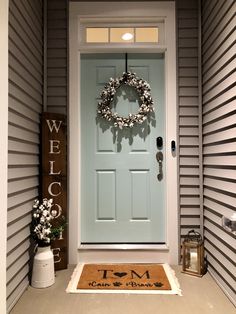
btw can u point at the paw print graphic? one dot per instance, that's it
(158, 284)
(117, 284)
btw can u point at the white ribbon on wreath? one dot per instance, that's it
(143, 90)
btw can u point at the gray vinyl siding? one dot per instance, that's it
(219, 138)
(189, 120)
(25, 107)
(57, 47)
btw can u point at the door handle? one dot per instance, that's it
(159, 158)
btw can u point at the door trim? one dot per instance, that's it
(165, 10)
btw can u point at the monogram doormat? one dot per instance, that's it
(124, 278)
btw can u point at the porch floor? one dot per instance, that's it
(200, 296)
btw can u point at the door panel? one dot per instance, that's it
(122, 199)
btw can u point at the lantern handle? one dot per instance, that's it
(192, 233)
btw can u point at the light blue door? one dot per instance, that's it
(122, 199)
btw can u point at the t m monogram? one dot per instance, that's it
(133, 273)
(109, 273)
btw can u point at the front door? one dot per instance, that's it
(122, 183)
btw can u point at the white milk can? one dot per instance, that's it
(43, 274)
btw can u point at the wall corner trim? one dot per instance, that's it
(4, 7)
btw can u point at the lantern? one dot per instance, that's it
(193, 254)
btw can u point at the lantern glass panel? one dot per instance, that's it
(191, 259)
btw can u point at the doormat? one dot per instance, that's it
(124, 278)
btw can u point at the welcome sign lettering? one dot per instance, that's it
(54, 176)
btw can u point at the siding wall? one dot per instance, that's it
(25, 106)
(57, 56)
(189, 119)
(219, 137)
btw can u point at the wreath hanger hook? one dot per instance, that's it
(126, 62)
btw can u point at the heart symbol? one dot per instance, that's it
(120, 274)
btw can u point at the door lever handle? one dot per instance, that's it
(159, 158)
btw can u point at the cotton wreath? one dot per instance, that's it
(143, 89)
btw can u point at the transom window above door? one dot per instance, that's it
(128, 33)
(122, 35)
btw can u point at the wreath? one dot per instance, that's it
(109, 91)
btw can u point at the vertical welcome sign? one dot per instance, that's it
(54, 176)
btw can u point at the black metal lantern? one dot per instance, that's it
(193, 254)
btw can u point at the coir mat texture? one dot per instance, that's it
(124, 278)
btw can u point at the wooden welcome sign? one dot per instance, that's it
(54, 176)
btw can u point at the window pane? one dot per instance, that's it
(146, 34)
(121, 35)
(97, 35)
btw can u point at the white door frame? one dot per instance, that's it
(100, 10)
